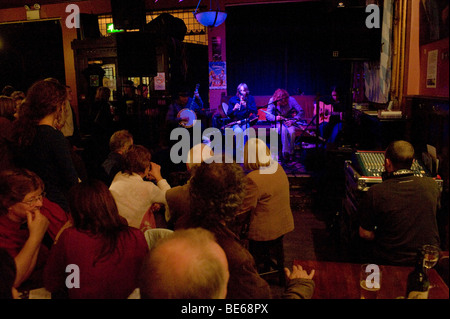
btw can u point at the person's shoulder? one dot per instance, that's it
(428, 182)
(50, 135)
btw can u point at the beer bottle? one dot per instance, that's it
(418, 283)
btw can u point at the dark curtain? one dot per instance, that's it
(288, 45)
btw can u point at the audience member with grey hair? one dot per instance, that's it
(217, 191)
(187, 264)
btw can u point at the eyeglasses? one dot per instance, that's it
(32, 201)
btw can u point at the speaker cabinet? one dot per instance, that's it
(351, 38)
(89, 28)
(128, 15)
(136, 54)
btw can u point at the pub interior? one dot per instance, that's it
(386, 60)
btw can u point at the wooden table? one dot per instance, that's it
(335, 280)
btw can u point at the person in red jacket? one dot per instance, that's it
(100, 256)
(29, 223)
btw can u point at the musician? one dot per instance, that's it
(183, 99)
(243, 108)
(287, 111)
(330, 129)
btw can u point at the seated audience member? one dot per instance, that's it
(267, 198)
(7, 108)
(18, 97)
(217, 191)
(8, 90)
(7, 276)
(28, 224)
(299, 284)
(178, 198)
(212, 209)
(108, 253)
(119, 143)
(40, 147)
(187, 264)
(134, 190)
(399, 214)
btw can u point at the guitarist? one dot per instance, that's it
(331, 128)
(242, 107)
(286, 110)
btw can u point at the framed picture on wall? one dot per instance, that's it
(434, 18)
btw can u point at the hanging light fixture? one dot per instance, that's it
(211, 18)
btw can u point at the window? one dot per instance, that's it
(196, 33)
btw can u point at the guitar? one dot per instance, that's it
(188, 113)
(325, 112)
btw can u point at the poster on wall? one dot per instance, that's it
(160, 81)
(217, 76)
(432, 68)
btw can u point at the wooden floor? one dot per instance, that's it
(312, 237)
(317, 186)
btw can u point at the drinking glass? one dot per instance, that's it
(431, 257)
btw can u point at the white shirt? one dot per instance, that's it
(134, 196)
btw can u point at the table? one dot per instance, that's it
(336, 280)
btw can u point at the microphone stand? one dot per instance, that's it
(317, 120)
(280, 147)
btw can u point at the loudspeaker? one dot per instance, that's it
(351, 38)
(89, 28)
(136, 54)
(128, 14)
(166, 25)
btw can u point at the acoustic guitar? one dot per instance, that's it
(325, 112)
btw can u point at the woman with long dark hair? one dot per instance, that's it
(40, 147)
(105, 252)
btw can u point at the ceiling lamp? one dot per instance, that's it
(211, 18)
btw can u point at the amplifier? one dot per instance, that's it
(366, 168)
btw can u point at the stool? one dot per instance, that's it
(269, 257)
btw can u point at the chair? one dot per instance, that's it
(225, 109)
(269, 257)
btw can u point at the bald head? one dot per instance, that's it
(188, 264)
(399, 155)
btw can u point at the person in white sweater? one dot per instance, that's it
(138, 187)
